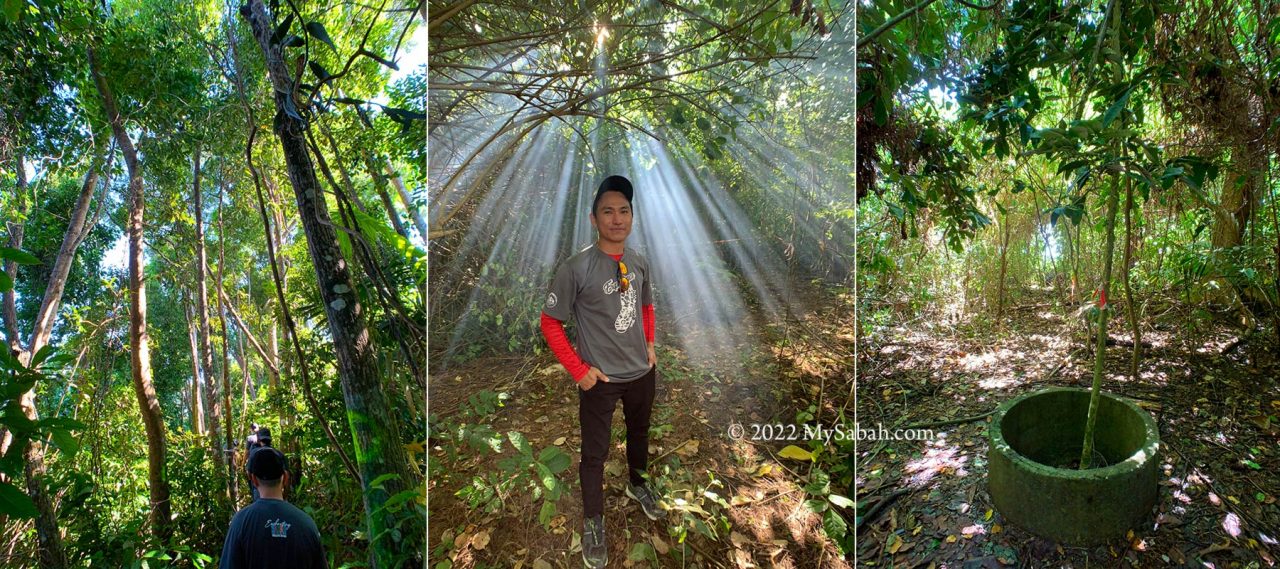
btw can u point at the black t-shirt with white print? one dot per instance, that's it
(272, 534)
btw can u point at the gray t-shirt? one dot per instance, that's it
(610, 333)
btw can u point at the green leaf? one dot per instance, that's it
(41, 356)
(642, 551)
(18, 256)
(522, 444)
(381, 480)
(841, 501)
(282, 29)
(1116, 107)
(555, 459)
(316, 29)
(548, 511)
(319, 70)
(548, 479)
(1252, 464)
(294, 41)
(703, 123)
(15, 503)
(834, 525)
(6, 283)
(65, 441)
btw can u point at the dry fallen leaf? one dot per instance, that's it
(951, 539)
(480, 540)
(559, 441)
(540, 564)
(737, 538)
(688, 449)
(659, 545)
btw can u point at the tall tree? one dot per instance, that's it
(213, 392)
(140, 355)
(379, 451)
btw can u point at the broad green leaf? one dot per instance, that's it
(841, 501)
(316, 29)
(522, 444)
(15, 503)
(834, 524)
(282, 29)
(555, 459)
(1116, 107)
(6, 283)
(65, 441)
(18, 256)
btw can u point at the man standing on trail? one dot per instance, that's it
(607, 288)
(271, 533)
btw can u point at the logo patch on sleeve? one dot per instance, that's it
(551, 300)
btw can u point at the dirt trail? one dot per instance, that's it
(752, 499)
(1216, 402)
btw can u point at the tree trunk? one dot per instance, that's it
(1239, 200)
(408, 203)
(1004, 266)
(1100, 357)
(197, 402)
(380, 185)
(51, 552)
(16, 231)
(379, 450)
(213, 393)
(1128, 287)
(140, 355)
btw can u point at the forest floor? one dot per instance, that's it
(756, 505)
(1214, 398)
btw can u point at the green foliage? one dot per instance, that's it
(521, 472)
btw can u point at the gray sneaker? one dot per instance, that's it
(594, 553)
(648, 501)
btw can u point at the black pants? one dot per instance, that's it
(595, 413)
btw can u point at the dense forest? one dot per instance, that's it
(212, 219)
(732, 120)
(1063, 194)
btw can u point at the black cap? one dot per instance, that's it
(614, 183)
(264, 434)
(267, 463)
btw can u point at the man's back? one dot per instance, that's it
(272, 534)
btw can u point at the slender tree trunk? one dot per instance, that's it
(140, 355)
(197, 402)
(1004, 266)
(374, 428)
(1100, 357)
(404, 198)
(1128, 286)
(214, 394)
(17, 230)
(380, 185)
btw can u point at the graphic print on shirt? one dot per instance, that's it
(627, 315)
(279, 528)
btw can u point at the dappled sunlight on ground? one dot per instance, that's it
(940, 459)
